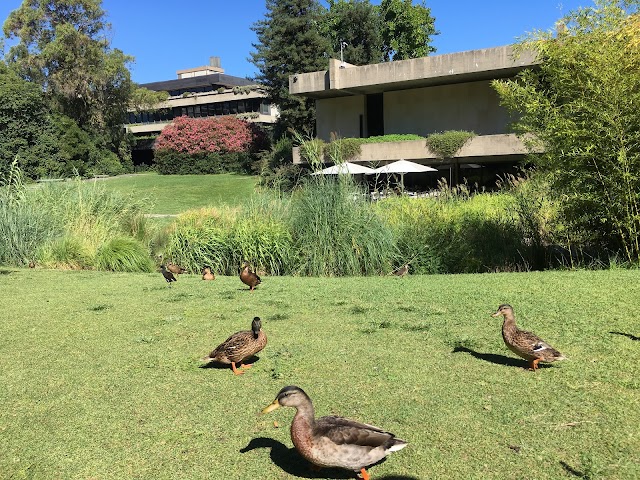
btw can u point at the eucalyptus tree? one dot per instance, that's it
(64, 46)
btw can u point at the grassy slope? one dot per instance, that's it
(100, 374)
(172, 194)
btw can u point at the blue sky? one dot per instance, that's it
(168, 35)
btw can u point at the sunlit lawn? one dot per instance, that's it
(101, 379)
(172, 194)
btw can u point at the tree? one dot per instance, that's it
(406, 29)
(63, 47)
(289, 42)
(581, 106)
(357, 23)
(26, 126)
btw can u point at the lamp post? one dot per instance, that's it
(342, 45)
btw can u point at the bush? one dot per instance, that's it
(446, 144)
(457, 235)
(123, 254)
(207, 145)
(170, 162)
(335, 231)
(64, 224)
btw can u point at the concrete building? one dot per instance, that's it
(420, 96)
(198, 92)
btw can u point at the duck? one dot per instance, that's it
(401, 271)
(248, 277)
(207, 274)
(177, 269)
(168, 276)
(525, 344)
(239, 347)
(334, 441)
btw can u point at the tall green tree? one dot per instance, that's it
(63, 46)
(406, 29)
(289, 41)
(358, 24)
(581, 107)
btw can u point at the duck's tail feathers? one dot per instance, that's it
(397, 445)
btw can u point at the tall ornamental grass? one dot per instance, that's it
(336, 232)
(66, 224)
(24, 224)
(456, 234)
(224, 237)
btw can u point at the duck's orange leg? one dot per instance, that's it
(248, 365)
(365, 475)
(235, 370)
(534, 364)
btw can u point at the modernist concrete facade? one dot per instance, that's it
(419, 96)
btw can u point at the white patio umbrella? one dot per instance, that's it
(402, 167)
(346, 167)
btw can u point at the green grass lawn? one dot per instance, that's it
(100, 374)
(171, 194)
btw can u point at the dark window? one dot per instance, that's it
(219, 109)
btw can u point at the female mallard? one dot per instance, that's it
(239, 347)
(525, 344)
(207, 274)
(173, 268)
(334, 441)
(248, 277)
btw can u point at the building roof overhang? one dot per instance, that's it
(474, 65)
(216, 80)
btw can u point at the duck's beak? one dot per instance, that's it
(272, 407)
(497, 314)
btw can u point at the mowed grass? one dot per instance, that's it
(173, 194)
(101, 379)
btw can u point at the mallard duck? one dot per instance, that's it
(401, 271)
(168, 276)
(525, 344)
(207, 274)
(239, 347)
(334, 441)
(248, 277)
(173, 268)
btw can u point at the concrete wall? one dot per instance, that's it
(464, 106)
(339, 115)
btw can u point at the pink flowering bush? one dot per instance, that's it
(207, 145)
(202, 135)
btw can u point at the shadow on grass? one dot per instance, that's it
(5, 272)
(497, 359)
(290, 461)
(227, 366)
(572, 471)
(628, 335)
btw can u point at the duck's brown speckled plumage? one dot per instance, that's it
(239, 347)
(207, 274)
(248, 277)
(334, 441)
(525, 344)
(173, 268)
(401, 271)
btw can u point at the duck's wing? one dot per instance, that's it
(533, 344)
(343, 431)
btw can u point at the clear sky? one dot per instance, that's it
(169, 35)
